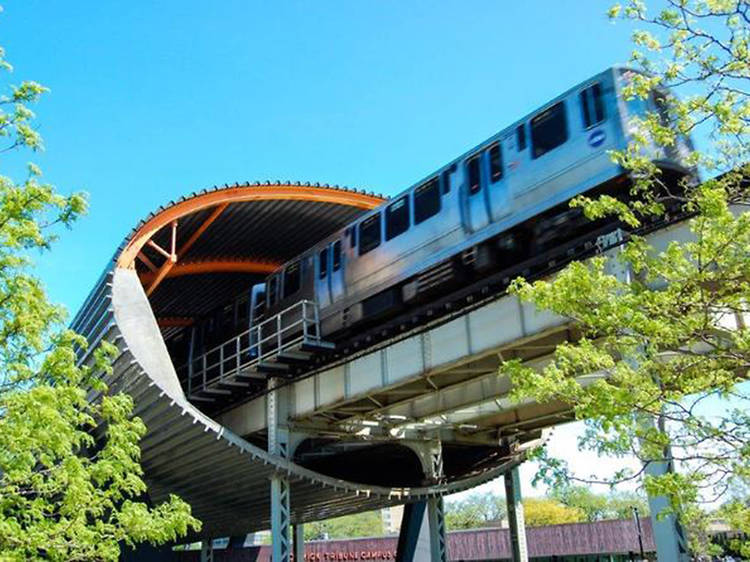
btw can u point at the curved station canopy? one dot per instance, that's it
(194, 254)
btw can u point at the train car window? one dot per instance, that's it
(306, 264)
(369, 234)
(585, 109)
(473, 171)
(426, 201)
(445, 179)
(242, 312)
(592, 106)
(291, 279)
(352, 236)
(549, 129)
(323, 260)
(397, 218)
(596, 96)
(496, 163)
(521, 137)
(336, 255)
(227, 316)
(272, 293)
(260, 308)
(445, 182)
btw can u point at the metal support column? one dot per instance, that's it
(422, 535)
(436, 516)
(237, 542)
(669, 535)
(207, 550)
(299, 543)
(513, 500)
(412, 530)
(280, 513)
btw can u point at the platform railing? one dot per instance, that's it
(290, 329)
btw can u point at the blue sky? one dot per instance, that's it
(151, 103)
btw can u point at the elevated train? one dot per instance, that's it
(502, 202)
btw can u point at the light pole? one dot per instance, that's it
(640, 534)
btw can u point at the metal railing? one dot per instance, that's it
(290, 329)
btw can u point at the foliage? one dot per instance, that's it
(475, 511)
(367, 524)
(70, 479)
(599, 507)
(737, 515)
(567, 504)
(546, 511)
(659, 368)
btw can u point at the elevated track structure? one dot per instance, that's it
(405, 413)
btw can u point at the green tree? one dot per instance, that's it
(598, 507)
(620, 505)
(70, 478)
(546, 511)
(673, 335)
(475, 511)
(592, 505)
(366, 524)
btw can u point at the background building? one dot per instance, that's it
(611, 541)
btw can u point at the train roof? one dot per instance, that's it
(475, 148)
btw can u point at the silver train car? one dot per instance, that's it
(501, 202)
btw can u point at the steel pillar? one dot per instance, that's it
(517, 526)
(436, 519)
(237, 541)
(280, 513)
(299, 543)
(669, 535)
(412, 533)
(422, 535)
(207, 550)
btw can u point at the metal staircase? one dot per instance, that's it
(266, 349)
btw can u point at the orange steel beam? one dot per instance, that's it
(159, 249)
(175, 321)
(201, 229)
(169, 264)
(144, 258)
(213, 266)
(236, 195)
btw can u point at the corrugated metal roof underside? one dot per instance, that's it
(195, 295)
(262, 231)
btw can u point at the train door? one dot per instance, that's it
(323, 278)
(497, 190)
(338, 287)
(257, 307)
(474, 193)
(272, 292)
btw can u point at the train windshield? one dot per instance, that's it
(634, 105)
